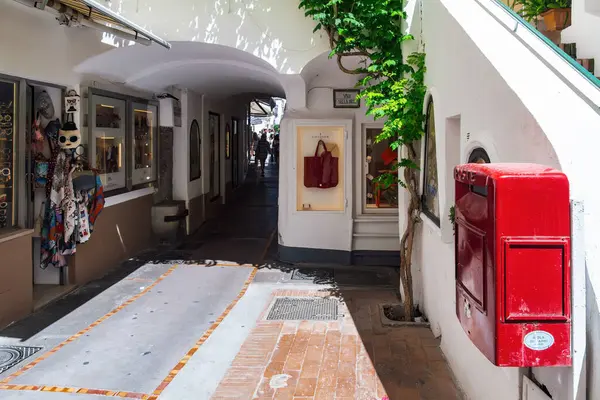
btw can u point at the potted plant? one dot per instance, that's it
(556, 13)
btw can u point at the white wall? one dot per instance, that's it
(321, 76)
(585, 30)
(473, 107)
(34, 46)
(520, 111)
(274, 30)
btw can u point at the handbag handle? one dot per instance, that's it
(318, 145)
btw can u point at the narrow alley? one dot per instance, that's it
(220, 318)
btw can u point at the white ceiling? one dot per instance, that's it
(216, 70)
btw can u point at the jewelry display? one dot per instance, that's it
(7, 130)
(142, 134)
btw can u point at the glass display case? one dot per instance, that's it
(144, 126)
(7, 157)
(108, 141)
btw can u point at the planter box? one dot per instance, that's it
(557, 19)
(386, 322)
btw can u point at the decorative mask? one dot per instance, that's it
(69, 136)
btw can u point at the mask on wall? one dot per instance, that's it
(69, 136)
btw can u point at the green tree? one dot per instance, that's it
(391, 85)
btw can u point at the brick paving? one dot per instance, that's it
(352, 358)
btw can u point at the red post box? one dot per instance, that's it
(513, 276)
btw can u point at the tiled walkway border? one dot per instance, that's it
(4, 384)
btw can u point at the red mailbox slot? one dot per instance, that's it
(513, 258)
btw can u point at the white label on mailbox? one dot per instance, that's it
(538, 340)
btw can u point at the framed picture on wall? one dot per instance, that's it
(227, 141)
(346, 98)
(195, 152)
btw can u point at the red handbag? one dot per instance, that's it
(321, 171)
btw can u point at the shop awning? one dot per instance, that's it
(260, 108)
(93, 12)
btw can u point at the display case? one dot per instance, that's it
(308, 140)
(143, 159)
(8, 101)
(108, 140)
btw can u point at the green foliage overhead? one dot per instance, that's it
(391, 85)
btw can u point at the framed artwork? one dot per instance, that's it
(346, 98)
(195, 152)
(227, 142)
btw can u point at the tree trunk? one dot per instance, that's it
(407, 242)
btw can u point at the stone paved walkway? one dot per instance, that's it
(159, 329)
(353, 358)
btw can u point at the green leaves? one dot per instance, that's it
(392, 87)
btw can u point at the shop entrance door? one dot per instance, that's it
(51, 282)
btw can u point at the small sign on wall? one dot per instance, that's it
(346, 98)
(177, 112)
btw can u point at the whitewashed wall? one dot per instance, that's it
(274, 30)
(34, 46)
(585, 30)
(488, 91)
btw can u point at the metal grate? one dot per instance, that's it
(304, 309)
(12, 355)
(312, 274)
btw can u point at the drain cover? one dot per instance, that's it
(12, 355)
(304, 309)
(309, 274)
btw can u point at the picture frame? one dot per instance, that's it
(346, 98)
(195, 151)
(227, 141)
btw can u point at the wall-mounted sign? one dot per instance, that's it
(177, 112)
(346, 98)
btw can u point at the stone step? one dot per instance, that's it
(570, 49)
(587, 63)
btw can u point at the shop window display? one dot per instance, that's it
(108, 141)
(144, 132)
(7, 135)
(379, 160)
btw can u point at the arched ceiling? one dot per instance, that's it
(219, 71)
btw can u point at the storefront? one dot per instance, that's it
(39, 128)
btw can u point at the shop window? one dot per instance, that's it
(195, 146)
(379, 159)
(479, 156)
(144, 143)
(123, 141)
(108, 141)
(430, 197)
(8, 101)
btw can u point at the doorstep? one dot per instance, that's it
(46, 294)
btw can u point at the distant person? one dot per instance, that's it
(276, 148)
(262, 152)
